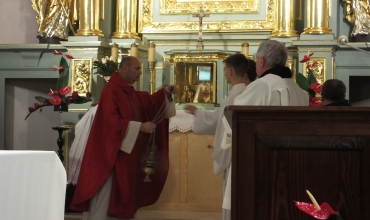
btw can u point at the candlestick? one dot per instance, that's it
(114, 52)
(245, 49)
(134, 50)
(151, 52)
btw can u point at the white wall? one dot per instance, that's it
(18, 22)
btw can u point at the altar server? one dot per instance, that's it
(239, 71)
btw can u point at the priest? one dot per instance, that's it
(239, 71)
(129, 131)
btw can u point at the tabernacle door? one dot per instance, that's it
(280, 152)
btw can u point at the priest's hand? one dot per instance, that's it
(148, 127)
(171, 89)
(190, 109)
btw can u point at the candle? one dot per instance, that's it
(151, 52)
(245, 49)
(134, 50)
(114, 52)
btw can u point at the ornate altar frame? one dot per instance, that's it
(219, 6)
(148, 25)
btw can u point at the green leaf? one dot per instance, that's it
(40, 99)
(311, 77)
(81, 100)
(63, 74)
(105, 69)
(302, 82)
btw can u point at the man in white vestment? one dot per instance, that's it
(82, 130)
(239, 71)
(274, 87)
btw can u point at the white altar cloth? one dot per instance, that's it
(182, 122)
(32, 185)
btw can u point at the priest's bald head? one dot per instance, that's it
(270, 54)
(130, 69)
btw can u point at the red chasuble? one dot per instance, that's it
(118, 105)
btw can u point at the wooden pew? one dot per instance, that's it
(279, 152)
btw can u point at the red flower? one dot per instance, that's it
(306, 57)
(58, 68)
(69, 56)
(317, 87)
(56, 100)
(312, 64)
(46, 101)
(316, 102)
(65, 90)
(53, 92)
(57, 52)
(31, 109)
(74, 95)
(88, 94)
(37, 105)
(324, 212)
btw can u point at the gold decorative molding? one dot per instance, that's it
(318, 70)
(81, 75)
(220, 6)
(147, 25)
(292, 65)
(196, 57)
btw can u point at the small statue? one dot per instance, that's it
(203, 93)
(207, 93)
(53, 19)
(357, 12)
(188, 95)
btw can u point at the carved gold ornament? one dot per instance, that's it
(214, 7)
(81, 75)
(147, 25)
(318, 70)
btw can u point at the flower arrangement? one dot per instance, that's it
(317, 211)
(309, 83)
(60, 97)
(106, 66)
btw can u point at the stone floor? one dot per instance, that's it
(163, 215)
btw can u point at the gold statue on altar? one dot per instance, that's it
(53, 18)
(357, 12)
(195, 81)
(203, 93)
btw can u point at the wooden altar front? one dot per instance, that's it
(280, 152)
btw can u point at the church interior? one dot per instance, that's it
(181, 42)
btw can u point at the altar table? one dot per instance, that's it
(32, 185)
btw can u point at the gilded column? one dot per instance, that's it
(317, 17)
(89, 14)
(126, 19)
(284, 19)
